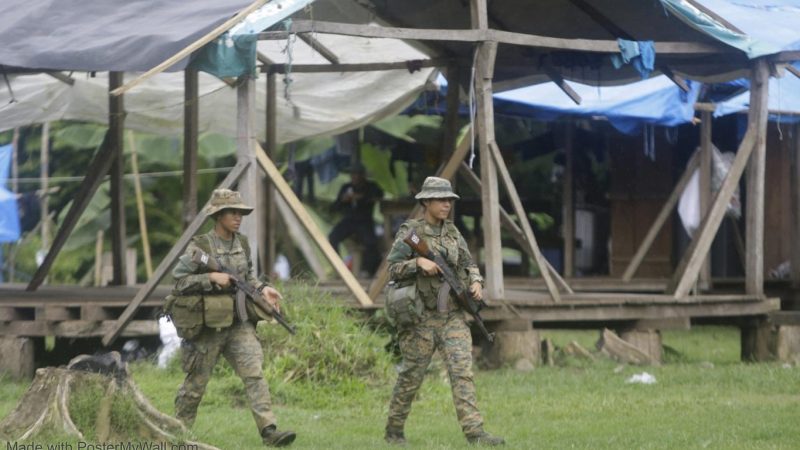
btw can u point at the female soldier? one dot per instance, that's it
(219, 332)
(441, 324)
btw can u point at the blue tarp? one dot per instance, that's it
(9, 215)
(784, 100)
(656, 101)
(769, 26)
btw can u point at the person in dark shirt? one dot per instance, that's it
(356, 201)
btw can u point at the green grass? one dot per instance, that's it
(331, 384)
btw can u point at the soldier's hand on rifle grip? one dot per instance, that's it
(221, 279)
(477, 291)
(428, 267)
(273, 297)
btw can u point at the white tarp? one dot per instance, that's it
(320, 103)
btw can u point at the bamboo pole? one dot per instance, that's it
(137, 187)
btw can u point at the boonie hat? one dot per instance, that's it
(435, 187)
(226, 199)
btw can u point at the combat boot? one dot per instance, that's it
(395, 437)
(271, 437)
(484, 438)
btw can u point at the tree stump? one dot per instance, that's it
(92, 399)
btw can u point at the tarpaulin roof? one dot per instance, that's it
(116, 35)
(784, 100)
(677, 21)
(309, 104)
(655, 101)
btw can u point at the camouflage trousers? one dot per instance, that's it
(239, 345)
(449, 334)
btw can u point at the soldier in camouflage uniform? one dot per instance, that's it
(442, 325)
(237, 343)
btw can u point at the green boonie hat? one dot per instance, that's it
(226, 199)
(435, 187)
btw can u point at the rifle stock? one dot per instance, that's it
(204, 259)
(464, 297)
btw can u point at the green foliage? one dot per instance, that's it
(333, 349)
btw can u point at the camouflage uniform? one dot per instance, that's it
(237, 343)
(445, 331)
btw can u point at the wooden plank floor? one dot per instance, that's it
(73, 311)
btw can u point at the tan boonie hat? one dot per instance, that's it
(226, 199)
(435, 187)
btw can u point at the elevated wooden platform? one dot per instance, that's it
(66, 311)
(72, 311)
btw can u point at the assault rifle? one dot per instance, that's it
(204, 259)
(464, 297)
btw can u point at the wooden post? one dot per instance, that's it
(541, 262)
(754, 228)
(661, 218)
(508, 223)
(245, 140)
(98, 168)
(191, 114)
(689, 266)
(490, 196)
(137, 186)
(706, 150)
(271, 149)
(116, 128)
(568, 202)
(166, 264)
(299, 210)
(794, 195)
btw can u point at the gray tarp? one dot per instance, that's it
(117, 35)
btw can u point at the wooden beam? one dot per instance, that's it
(505, 176)
(508, 223)
(793, 70)
(245, 139)
(97, 169)
(325, 52)
(689, 266)
(62, 78)
(116, 130)
(447, 171)
(568, 201)
(754, 215)
(794, 198)
(308, 223)
(706, 158)
(490, 196)
(410, 65)
(166, 264)
(484, 35)
(271, 216)
(661, 218)
(188, 50)
(191, 116)
(562, 84)
(301, 240)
